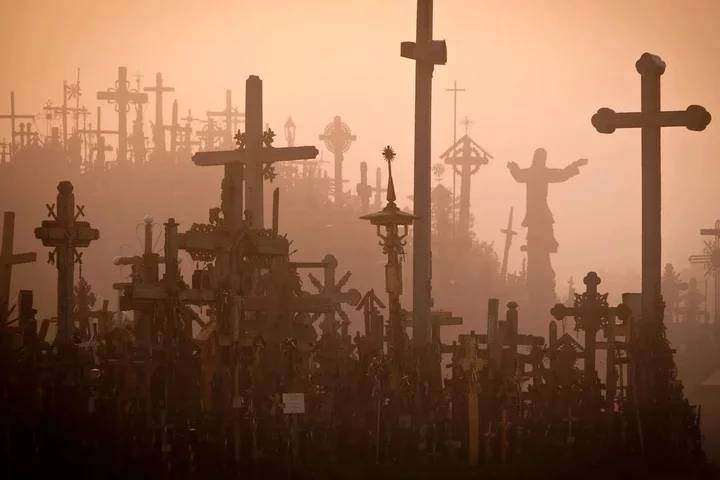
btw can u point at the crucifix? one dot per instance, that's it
(100, 147)
(174, 129)
(122, 97)
(338, 138)
(466, 157)
(7, 259)
(364, 190)
(12, 117)
(710, 259)
(66, 234)
(426, 53)
(509, 234)
(255, 152)
(159, 127)
(232, 118)
(651, 119)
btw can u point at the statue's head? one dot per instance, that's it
(539, 157)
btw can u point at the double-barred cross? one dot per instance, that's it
(254, 153)
(65, 234)
(651, 119)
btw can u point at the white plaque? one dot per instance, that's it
(293, 403)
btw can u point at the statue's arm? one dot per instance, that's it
(520, 175)
(559, 175)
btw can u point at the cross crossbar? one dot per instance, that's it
(265, 155)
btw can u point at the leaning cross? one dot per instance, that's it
(255, 152)
(122, 97)
(7, 260)
(65, 234)
(509, 233)
(650, 120)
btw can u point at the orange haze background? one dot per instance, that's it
(535, 72)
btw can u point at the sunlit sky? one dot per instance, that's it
(534, 73)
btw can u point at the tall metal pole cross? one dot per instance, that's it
(254, 153)
(650, 120)
(65, 234)
(122, 97)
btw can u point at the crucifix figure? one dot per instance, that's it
(255, 152)
(122, 97)
(159, 150)
(651, 119)
(65, 234)
(338, 139)
(232, 118)
(539, 223)
(426, 53)
(7, 260)
(12, 117)
(509, 234)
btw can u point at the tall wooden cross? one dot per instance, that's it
(122, 97)
(509, 234)
(12, 117)
(338, 138)
(159, 133)
(466, 157)
(99, 139)
(65, 234)
(711, 261)
(254, 153)
(7, 260)
(426, 53)
(232, 118)
(651, 119)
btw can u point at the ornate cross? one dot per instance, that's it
(338, 138)
(333, 290)
(651, 119)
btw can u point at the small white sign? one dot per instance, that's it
(293, 403)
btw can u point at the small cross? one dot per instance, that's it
(466, 123)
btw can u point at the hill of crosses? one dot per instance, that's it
(137, 344)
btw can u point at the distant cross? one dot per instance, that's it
(466, 123)
(378, 189)
(466, 157)
(338, 138)
(509, 234)
(710, 259)
(3, 151)
(65, 234)
(100, 147)
(651, 119)
(159, 132)
(122, 97)
(254, 154)
(364, 190)
(7, 260)
(12, 117)
(209, 134)
(174, 129)
(69, 92)
(187, 131)
(455, 91)
(232, 118)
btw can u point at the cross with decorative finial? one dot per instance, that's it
(466, 123)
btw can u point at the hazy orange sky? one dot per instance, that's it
(535, 71)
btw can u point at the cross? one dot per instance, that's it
(466, 123)
(455, 91)
(374, 322)
(12, 117)
(466, 157)
(232, 119)
(104, 319)
(509, 234)
(651, 119)
(591, 313)
(378, 189)
(338, 138)
(333, 291)
(64, 110)
(65, 234)
(711, 261)
(3, 151)
(209, 134)
(7, 260)
(364, 190)
(159, 132)
(174, 129)
(426, 53)
(187, 131)
(99, 139)
(254, 153)
(122, 97)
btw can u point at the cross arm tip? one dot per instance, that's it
(698, 118)
(603, 120)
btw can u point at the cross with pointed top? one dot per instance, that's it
(466, 123)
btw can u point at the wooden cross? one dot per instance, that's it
(100, 147)
(338, 138)
(187, 131)
(232, 118)
(374, 322)
(333, 291)
(254, 153)
(65, 234)
(711, 261)
(651, 119)
(7, 260)
(12, 117)
(378, 189)
(466, 157)
(591, 313)
(466, 123)
(159, 133)
(509, 234)
(364, 190)
(174, 129)
(122, 97)
(209, 134)
(64, 110)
